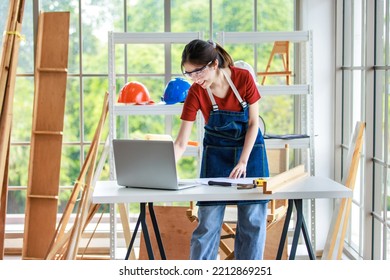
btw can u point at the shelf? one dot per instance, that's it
(262, 37)
(284, 89)
(153, 37)
(176, 109)
(300, 143)
(156, 109)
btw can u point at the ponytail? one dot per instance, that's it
(226, 60)
(201, 52)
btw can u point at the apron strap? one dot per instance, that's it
(215, 106)
(243, 103)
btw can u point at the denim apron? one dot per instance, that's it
(223, 143)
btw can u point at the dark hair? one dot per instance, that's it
(200, 52)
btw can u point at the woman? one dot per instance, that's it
(233, 145)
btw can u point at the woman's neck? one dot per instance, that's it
(220, 85)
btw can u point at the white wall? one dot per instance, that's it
(319, 16)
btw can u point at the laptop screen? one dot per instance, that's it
(145, 163)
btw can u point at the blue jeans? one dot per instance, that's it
(250, 233)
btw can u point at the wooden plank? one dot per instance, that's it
(351, 180)
(275, 73)
(8, 65)
(7, 50)
(11, 39)
(3, 207)
(7, 106)
(48, 116)
(274, 232)
(272, 184)
(5, 134)
(340, 217)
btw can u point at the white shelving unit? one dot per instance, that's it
(304, 91)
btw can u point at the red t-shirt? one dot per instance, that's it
(198, 99)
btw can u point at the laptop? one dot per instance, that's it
(147, 164)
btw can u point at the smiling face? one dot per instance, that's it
(199, 59)
(201, 74)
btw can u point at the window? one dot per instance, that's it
(363, 87)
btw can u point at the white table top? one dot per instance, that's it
(305, 188)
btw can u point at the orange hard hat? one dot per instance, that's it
(134, 92)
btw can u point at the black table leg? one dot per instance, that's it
(157, 232)
(142, 220)
(297, 231)
(299, 225)
(133, 238)
(285, 229)
(299, 207)
(145, 231)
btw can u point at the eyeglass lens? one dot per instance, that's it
(197, 72)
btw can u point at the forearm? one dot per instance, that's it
(181, 141)
(251, 134)
(250, 139)
(179, 150)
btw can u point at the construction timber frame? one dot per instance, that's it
(46, 137)
(8, 64)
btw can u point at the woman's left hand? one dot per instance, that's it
(239, 171)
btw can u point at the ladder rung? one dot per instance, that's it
(43, 196)
(47, 132)
(281, 73)
(59, 70)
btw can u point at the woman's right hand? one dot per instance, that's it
(181, 141)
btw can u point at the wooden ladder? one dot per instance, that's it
(46, 136)
(281, 48)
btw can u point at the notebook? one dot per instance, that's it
(147, 164)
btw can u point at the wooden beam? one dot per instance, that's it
(273, 183)
(9, 61)
(3, 207)
(340, 217)
(8, 45)
(11, 39)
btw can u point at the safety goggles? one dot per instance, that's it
(197, 72)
